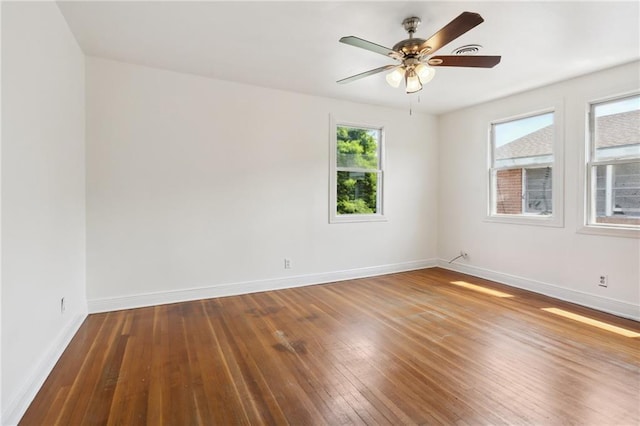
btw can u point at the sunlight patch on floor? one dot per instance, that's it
(592, 322)
(481, 289)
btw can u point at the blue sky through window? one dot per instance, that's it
(618, 106)
(512, 130)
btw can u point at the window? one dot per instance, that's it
(522, 170)
(356, 173)
(613, 164)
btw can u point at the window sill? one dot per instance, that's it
(551, 221)
(355, 218)
(609, 231)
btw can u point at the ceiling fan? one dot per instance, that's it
(413, 54)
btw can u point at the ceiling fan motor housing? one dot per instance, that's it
(411, 46)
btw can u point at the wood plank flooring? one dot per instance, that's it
(407, 348)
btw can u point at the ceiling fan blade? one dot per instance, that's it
(367, 73)
(376, 48)
(454, 29)
(464, 61)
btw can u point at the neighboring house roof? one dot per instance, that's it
(531, 145)
(618, 129)
(612, 131)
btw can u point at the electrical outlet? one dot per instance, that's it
(63, 306)
(604, 281)
(464, 254)
(287, 263)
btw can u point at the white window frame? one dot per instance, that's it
(587, 213)
(334, 217)
(556, 219)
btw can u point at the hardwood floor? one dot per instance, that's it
(407, 348)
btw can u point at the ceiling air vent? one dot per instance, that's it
(468, 49)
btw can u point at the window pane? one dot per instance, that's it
(509, 191)
(357, 147)
(617, 193)
(617, 129)
(528, 189)
(356, 193)
(525, 141)
(538, 191)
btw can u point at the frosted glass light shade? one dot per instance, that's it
(413, 82)
(425, 73)
(395, 77)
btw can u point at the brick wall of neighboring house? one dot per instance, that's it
(509, 192)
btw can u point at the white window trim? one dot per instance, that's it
(556, 219)
(333, 169)
(584, 225)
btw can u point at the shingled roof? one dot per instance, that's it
(531, 145)
(618, 129)
(611, 130)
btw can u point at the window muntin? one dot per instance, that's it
(357, 173)
(522, 159)
(613, 164)
(538, 195)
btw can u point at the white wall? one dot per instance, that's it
(556, 261)
(43, 197)
(196, 183)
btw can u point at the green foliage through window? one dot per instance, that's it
(358, 168)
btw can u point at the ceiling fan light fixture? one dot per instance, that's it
(395, 77)
(425, 73)
(412, 81)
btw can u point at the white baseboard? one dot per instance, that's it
(13, 412)
(615, 307)
(232, 289)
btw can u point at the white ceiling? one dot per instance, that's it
(294, 45)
